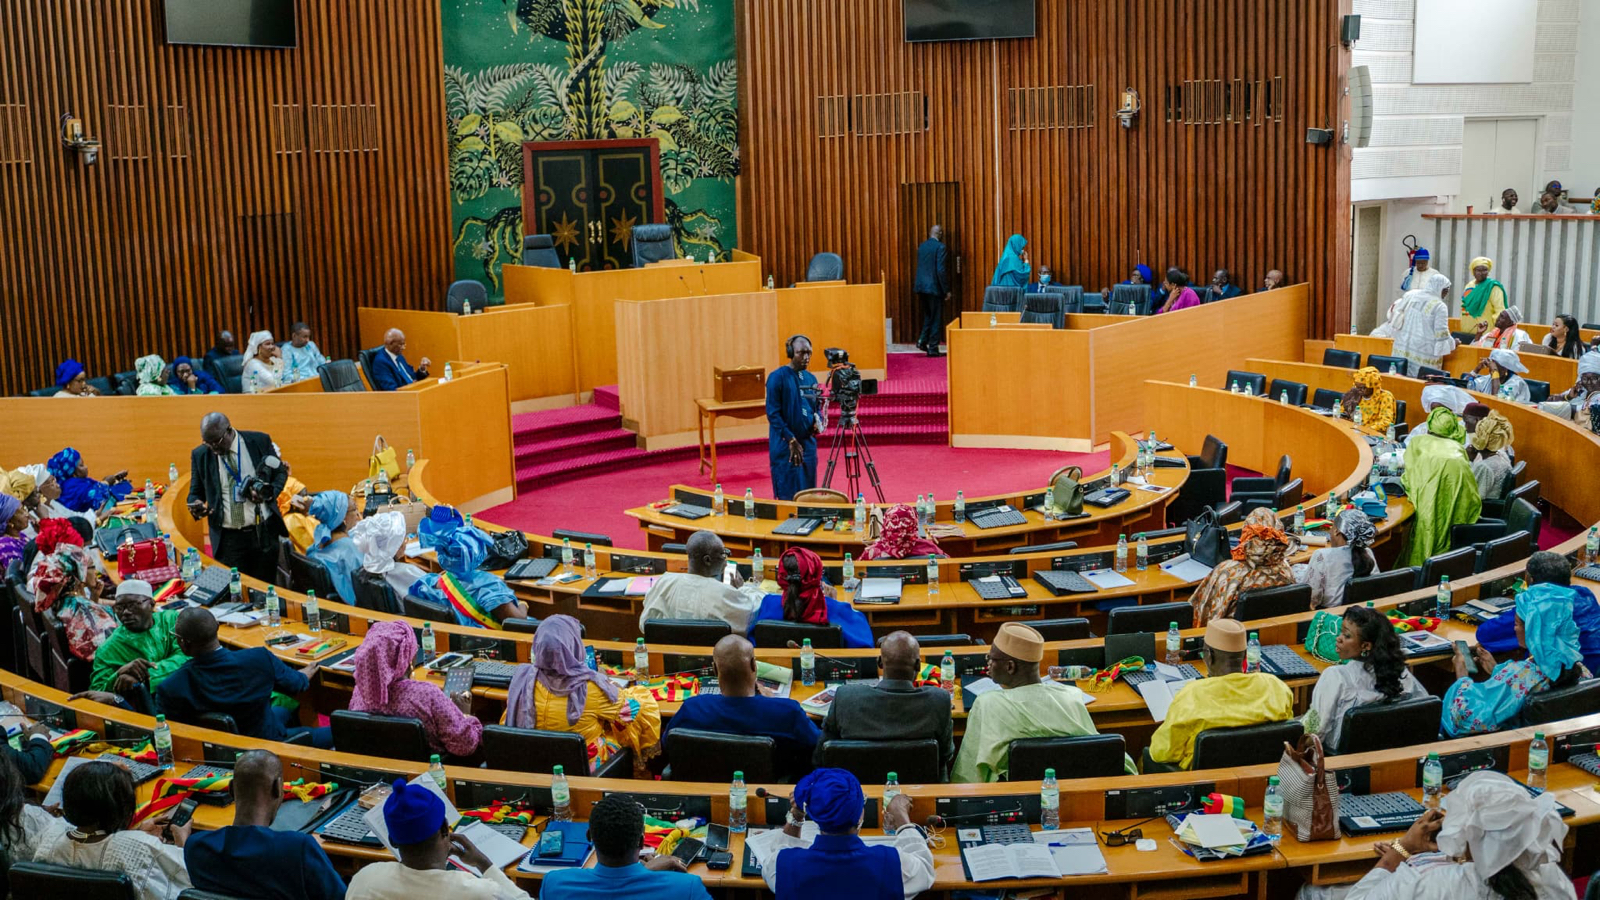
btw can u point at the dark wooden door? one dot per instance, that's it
(589, 195)
(922, 206)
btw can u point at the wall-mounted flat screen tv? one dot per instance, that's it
(968, 20)
(231, 23)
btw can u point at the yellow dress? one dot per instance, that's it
(1229, 701)
(1491, 312)
(633, 721)
(301, 527)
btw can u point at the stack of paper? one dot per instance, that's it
(1210, 837)
(1185, 568)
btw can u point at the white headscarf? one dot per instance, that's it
(1494, 818)
(1452, 397)
(41, 472)
(1589, 363)
(1508, 360)
(256, 340)
(1436, 283)
(379, 538)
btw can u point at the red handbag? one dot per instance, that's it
(146, 561)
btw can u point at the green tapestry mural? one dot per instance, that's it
(567, 70)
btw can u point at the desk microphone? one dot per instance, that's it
(941, 821)
(765, 794)
(686, 284)
(852, 665)
(341, 780)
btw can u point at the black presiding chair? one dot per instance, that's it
(1323, 398)
(46, 881)
(228, 371)
(1581, 699)
(1377, 587)
(464, 292)
(1538, 391)
(532, 750)
(686, 632)
(825, 266)
(653, 243)
(1252, 745)
(999, 298)
(913, 762)
(1152, 617)
(1385, 726)
(1344, 359)
(539, 250)
(778, 634)
(694, 755)
(341, 376)
(1388, 365)
(1213, 455)
(1084, 756)
(1204, 489)
(1256, 382)
(1270, 603)
(386, 737)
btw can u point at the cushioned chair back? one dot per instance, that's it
(413, 608)
(1001, 299)
(1457, 564)
(1425, 372)
(1071, 297)
(67, 672)
(821, 495)
(1084, 756)
(1296, 391)
(528, 625)
(35, 656)
(466, 291)
(825, 267)
(1203, 489)
(1385, 726)
(1154, 617)
(686, 632)
(540, 250)
(653, 243)
(533, 750)
(1388, 365)
(913, 762)
(1071, 629)
(1581, 699)
(1399, 414)
(365, 358)
(127, 384)
(1538, 391)
(777, 633)
(1285, 469)
(106, 388)
(228, 371)
(308, 574)
(1290, 494)
(1505, 551)
(1345, 359)
(1214, 453)
(579, 538)
(1257, 383)
(1524, 516)
(197, 894)
(1528, 491)
(713, 756)
(1231, 513)
(50, 391)
(1377, 587)
(1270, 603)
(1044, 308)
(386, 737)
(1325, 399)
(46, 881)
(340, 376)
(1252, 745)
(1132, 299)
(373, 592)
(945, 640)
(217, 721)
(1044, 548)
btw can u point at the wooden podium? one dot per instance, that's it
(534, 342)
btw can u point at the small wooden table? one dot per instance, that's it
(710, 409)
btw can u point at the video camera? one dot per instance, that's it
(845, 384)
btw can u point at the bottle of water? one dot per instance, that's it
(411, 459)
(922, 515)
(149, 491)
(933, 510)
(436, 771)
(1441, 598)
(641, 661)
(449, 374)
(1174, 645)
(1233, 386)
(1356, 417)
(933, 576)
(1388, 436)
(588, 560)
(1591, 546)
(1338, 409)
(1049, 802)
(566, 553)
(1283, 398)
(162, 738)
(430, 643)
(560, 795)
(758, 568)
(1432, 781)
(572, 264)
(1272, 809)
(589, 658)
(993, 321)
(274, 615)
(1538, 761)
(861, 513)
(1049, 503)
(1121, 564)
(749, 505)
(959, 511)
(191, 565)
(466, 308)
(235, 586)
(312, 613)
(1300, 519)
(718, 501)
(1142, 552)
(383, 482)
(1193, 381)
(1249, 389)
(172, 474)
(467, 520)
(891, 790)
(1252, 653)
(1332, 509)
(849, 571)
(808, 663)
(770, 284)
(947, 673)
(737, 798)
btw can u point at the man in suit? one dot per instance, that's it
(390, 371)
(1222, 287)
(932, 287)
(894, 709)
(234, 481)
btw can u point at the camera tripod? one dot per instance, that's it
(849, 440)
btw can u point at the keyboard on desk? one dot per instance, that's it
(1015, 833)
(1588, 573)
(349, 827)
(1137, 677)
(492, 673)
(514, 830)
(687, 511)
(798, 525)
(1002, 587)
(1002, 516)
(1373, 813)
(210, 584)
(531, 569)
(1063, 582)
(1282, 661)
(141, 771)
(1588, 762)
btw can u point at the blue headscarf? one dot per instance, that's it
(64, 465)
(1146, 273)
(442, 521)
(1422, 253)
(67, 371)
(82, 494)
(1548, 629)
(1012, 271)
(203, 382)
(831, 798)
(329, 509)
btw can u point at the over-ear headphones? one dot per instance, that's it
(788, 346)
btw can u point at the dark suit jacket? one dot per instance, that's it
(933, 276)
(237, 682)
(1229, 291)
(205, 482)
(890, 711)
(33, 760)
(386, 375)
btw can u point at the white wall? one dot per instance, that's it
(1586, 113)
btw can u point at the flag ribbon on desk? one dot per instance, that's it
(1105, 678)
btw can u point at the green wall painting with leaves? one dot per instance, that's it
(567, 70)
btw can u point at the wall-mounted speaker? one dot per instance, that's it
(1350, 29)
(1319, 135)
(1360, 106)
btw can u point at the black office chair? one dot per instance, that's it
(680, 549)
(524, 626)
(1204, 489)
(217, 721)
(47, 881)
(1256, 382)
(365, 360)
(463, 292)
(1323, 398)
(1538, 391)
(997, 299)
(67, 672)
(412, 608)
(1252, 745)
(340, 376)
(1213, 455)
(1426, 372)
(1265, 489)
(579, 538)
(228, 371)
(1520, 516)
(686, 632)
(1073, 300)
(1377, 587)
(1581, 699)
(532, 750)
(1270, 603)
(1152, 617)
(694, 755)
(1130, 300)
(539, 250)
(1344, 359)
(912, 762)
(1044, 548)
(777, 633)
(1044, 308)
(1504, 551)
(946, 640)
(1295, 390)
(653, 243)
(1457, 564)
(386, 737)
(1083, 756)
(308, 574)
(49, 391)
(1071, 629)
(1388, 365)
(126, 384)
(1385, 726)
(1399, 417)
(373, 592)
(1528, 491)
(825, 267)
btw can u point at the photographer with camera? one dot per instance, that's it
(234, 481)
(793, 421)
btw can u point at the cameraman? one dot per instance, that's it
(234, 481)
(793, 422)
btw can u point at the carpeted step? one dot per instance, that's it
(576, 445)
(607, 397)
(550, 424)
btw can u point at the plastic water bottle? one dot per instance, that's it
(1049, 502)
(1388, 436)
(589, 658)
(933, 576)
(959, 511)
(718, 501)
(808, 663)
(849, 567)
(560, 795)
(383, 482)
(430, 643)
(162, 738)
(436, 770)
(1338, 409)
(1538, 761)
(312, 613)
(449, 373)
(588, 561)
(566, 553)
(947, 673)
(1049, 802)
(1591, 546)
(1441, 598)
(235, 586)
(1233, 386)
(1300, 519)
(1252, 653)
(749, 505)
(737, 797)
(149, 491)
(993, 321)
(861, 513)
(758, 568)
(891, 790)
(1272, 809)
(1332, 509)
(172, 474)
(1142, 552)
(1249, 389)
(411, 459)
(274, 615)
(1432, 781)
(641, 661)
(191, 564)
(1121, 564)
(770, 284)
(466, 308)
(1193, 381)
(1356, 417)
(1283, 398)
(572, 264)
(1174, 645)
(922, 515)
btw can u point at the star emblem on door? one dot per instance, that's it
(564, 232)
(622, 229)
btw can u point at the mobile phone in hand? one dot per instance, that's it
(1472, 664)
(183, 813)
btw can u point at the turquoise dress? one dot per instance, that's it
(341, 559)
(1477, 707)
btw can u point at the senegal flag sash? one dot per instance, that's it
(461, 601)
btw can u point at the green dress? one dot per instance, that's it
(1444, 492)
(158, 645)
(1045, 709)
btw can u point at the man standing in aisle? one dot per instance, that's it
(793, 422)
(234, 481)
(933, 288)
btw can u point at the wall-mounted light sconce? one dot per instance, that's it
(1129, 109)
(74, 139)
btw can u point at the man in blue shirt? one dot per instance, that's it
(616, 828)
(250, 860)
(740, 708)
(792, 422)
(1550, 573)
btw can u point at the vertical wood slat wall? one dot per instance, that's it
(238, 188)
(1092, 199)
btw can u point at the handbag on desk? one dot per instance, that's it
(508, 547)
(1206, 539)
(1310, 792)
(1067, 491)
(146, 561)
(1323, 635)
(383, 458)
